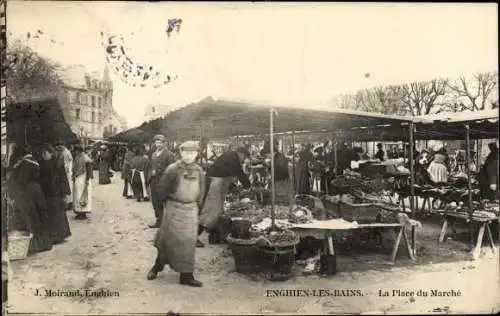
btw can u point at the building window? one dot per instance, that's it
(153, 110)
(77, 114)
(87, 81)
(78, 96)
(99, 117)
(82, 98)
(92, 101)
(93, 116)
(99, 102)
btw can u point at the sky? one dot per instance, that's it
(281, 54)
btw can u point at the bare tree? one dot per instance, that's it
(26, 69)
(474, 93)
(420, 98)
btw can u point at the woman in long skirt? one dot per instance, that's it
(138, 168)
(182, 186)
(27, 204)
(82, 184)
(55, 187)
(104, 162)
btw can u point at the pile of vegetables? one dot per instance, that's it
(300, 215)
(278, 238)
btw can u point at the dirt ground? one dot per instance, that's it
(113, 250)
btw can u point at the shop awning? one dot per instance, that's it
(37, 122)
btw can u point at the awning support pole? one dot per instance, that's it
(412, 174)
(271, 142)
(469, 183)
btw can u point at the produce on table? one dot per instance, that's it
(300, 215)
(277, 238)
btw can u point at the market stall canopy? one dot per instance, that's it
(221, 118)
(37, 122)
(134, 135)
(451, 126)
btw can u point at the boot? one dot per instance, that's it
(156, 224)
(188, 279)
(153, 272)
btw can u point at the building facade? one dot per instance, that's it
(87, 102)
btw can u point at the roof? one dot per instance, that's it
(222, 118)
(464, 116)
(450, 126)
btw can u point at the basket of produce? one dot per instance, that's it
(278, 253)
(247, 255)
(18, 245)
(246, 210)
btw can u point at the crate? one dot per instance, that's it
(363, 213)
(18, 245)
(332, 209)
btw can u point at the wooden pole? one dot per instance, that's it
(412, 174)
(469, 184)
(271, 142)
(293, 163)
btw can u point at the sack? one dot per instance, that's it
(84, 200)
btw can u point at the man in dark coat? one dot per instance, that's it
(219, 176)
(160, 159)
(489, 174)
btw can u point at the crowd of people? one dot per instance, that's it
(186, 190)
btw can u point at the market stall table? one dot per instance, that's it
(324, 229)
(484, 226)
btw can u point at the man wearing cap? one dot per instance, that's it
(181, 187)
(219, 177)
(160, 159)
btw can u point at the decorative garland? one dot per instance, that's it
(132, 73)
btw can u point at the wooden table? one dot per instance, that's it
(484, 226)
(324, 230)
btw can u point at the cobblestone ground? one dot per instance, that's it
(112, 250)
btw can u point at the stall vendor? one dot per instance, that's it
(438, 172)
(380, 154)
(182, 188)
(489, 174)
(219, 176)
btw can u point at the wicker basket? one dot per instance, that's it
(361, 213)
(18, 246)
(247, 255)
